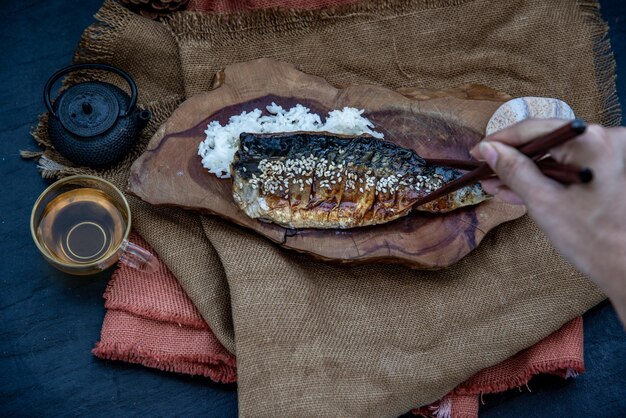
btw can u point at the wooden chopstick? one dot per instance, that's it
(534, 149)
(563, 173)
(544, 143)
(459, 164)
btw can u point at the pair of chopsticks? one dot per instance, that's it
(535, 149)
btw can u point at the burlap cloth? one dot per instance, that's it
(315, 339)
(151, 321)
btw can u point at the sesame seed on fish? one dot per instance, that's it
(336, 181)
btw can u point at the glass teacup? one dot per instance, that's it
(80, 225)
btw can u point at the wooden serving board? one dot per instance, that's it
(436, 124)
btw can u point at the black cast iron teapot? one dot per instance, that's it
(94, 123)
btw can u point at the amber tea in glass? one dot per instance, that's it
(81, 224)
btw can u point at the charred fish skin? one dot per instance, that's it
(323, 180)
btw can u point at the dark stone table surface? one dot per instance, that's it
(49, 321)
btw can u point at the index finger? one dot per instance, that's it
(522, 132)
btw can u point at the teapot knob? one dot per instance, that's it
(87, 109)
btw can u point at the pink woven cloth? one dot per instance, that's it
(561, 354)
(151, 321)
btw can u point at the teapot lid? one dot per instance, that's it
(88, 109)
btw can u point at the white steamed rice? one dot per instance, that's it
(221, 143)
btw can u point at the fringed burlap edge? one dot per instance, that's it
(273, 20)
(97, 44)
(604, 59)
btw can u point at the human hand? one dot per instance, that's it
(585, 222)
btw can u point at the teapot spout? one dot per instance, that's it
(143, 117)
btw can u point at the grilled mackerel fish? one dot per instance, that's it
(323, 180)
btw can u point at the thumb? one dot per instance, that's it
(518, 172)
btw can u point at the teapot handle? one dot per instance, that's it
(75, 67)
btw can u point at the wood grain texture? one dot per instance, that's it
(436, 124)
